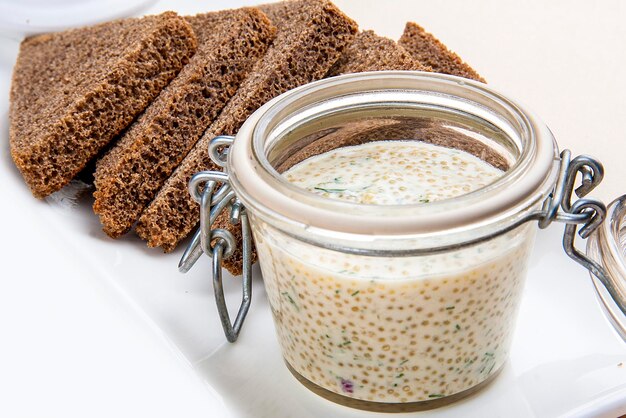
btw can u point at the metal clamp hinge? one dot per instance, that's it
(586, 212)
(219, 243)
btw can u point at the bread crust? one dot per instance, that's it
(370, 52)
(428, 50)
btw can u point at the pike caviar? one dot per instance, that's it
(393, 329)
(392, 173)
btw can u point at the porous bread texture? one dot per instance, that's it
(430, 51)
(128, 177)
(370, 52)
(72, 92)
(311, 36)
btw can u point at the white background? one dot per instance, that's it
(82, 331)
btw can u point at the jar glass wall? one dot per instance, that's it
(393, 306)
(394, 330)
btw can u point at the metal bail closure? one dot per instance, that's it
(589, 213)
(219, 243)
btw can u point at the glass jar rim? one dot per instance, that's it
(262, 189)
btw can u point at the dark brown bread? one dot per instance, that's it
(74, 91)
(370, 52)
(129, 176)
(312, 35)
(430, 51)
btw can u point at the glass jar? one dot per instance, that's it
(395, 307)
(607, 246)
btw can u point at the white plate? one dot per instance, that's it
(36, 16)
(566, 359)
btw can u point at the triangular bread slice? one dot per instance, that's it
(74, 91)
(128, 177)
(428, 50)
(370, 52)
(311, 36)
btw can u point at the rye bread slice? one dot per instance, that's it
(128, 177)
(311, 36)
(72, 92)
(370, 52)
(430, 51)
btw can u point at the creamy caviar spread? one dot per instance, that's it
(392, 173)
(393, 329)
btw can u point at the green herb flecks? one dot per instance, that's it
(331, 189)
(436, 395)
(489, 362)
(293, 302)
(400, 375)
(449, 308)
(403, 362)
(355, 293)
(323, 189)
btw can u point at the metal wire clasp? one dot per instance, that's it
(588, 213)
(219, 243)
